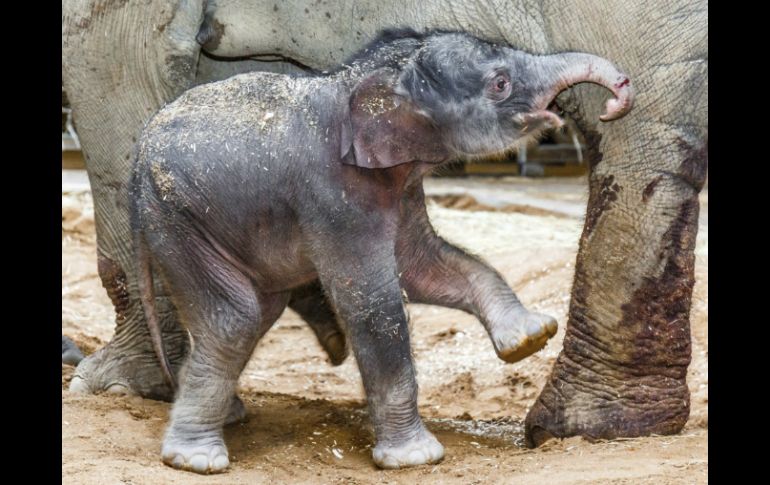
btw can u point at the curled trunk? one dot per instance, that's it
(565, 70)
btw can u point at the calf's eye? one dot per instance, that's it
(499, 87)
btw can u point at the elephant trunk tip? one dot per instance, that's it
(568, 69)
(622, 103)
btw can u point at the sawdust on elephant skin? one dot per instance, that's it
(307, 420)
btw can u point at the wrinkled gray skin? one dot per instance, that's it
(249, 188)
(622, 371)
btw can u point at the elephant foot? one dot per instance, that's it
(336, 348)
(116, 371)
(421, 450)
(578, 402)
(525, 335)
(204, 455)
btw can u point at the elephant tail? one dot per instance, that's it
(147, 296)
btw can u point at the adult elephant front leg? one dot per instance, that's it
(438, 273)
(622, 370)
(121, 62)
(363, 286)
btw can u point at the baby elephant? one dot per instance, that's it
(248, 189)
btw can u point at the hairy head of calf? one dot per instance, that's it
(449, 95)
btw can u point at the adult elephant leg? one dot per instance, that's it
(121, 61)
(622, 370)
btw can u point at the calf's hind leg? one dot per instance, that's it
(226, 318)
(312, 305)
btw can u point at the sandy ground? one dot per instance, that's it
(307, 420)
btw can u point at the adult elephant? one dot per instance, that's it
(627, 348)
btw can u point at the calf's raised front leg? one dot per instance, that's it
(434, 271)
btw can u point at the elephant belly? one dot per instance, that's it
(266, 246)
(279, 264)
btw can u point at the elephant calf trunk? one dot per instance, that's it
(572, 68)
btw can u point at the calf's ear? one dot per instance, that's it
(384, 129)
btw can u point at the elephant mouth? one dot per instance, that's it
(539, 120)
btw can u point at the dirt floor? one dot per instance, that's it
(308, 421)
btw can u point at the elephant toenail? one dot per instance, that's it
(221, 462)
(199, 463)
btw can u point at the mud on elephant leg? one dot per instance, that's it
(128, 364)
(622, 370)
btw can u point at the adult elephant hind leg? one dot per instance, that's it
(622, 370)
(151, 44)
(312, 305)
(128, 364)
(226, 318)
